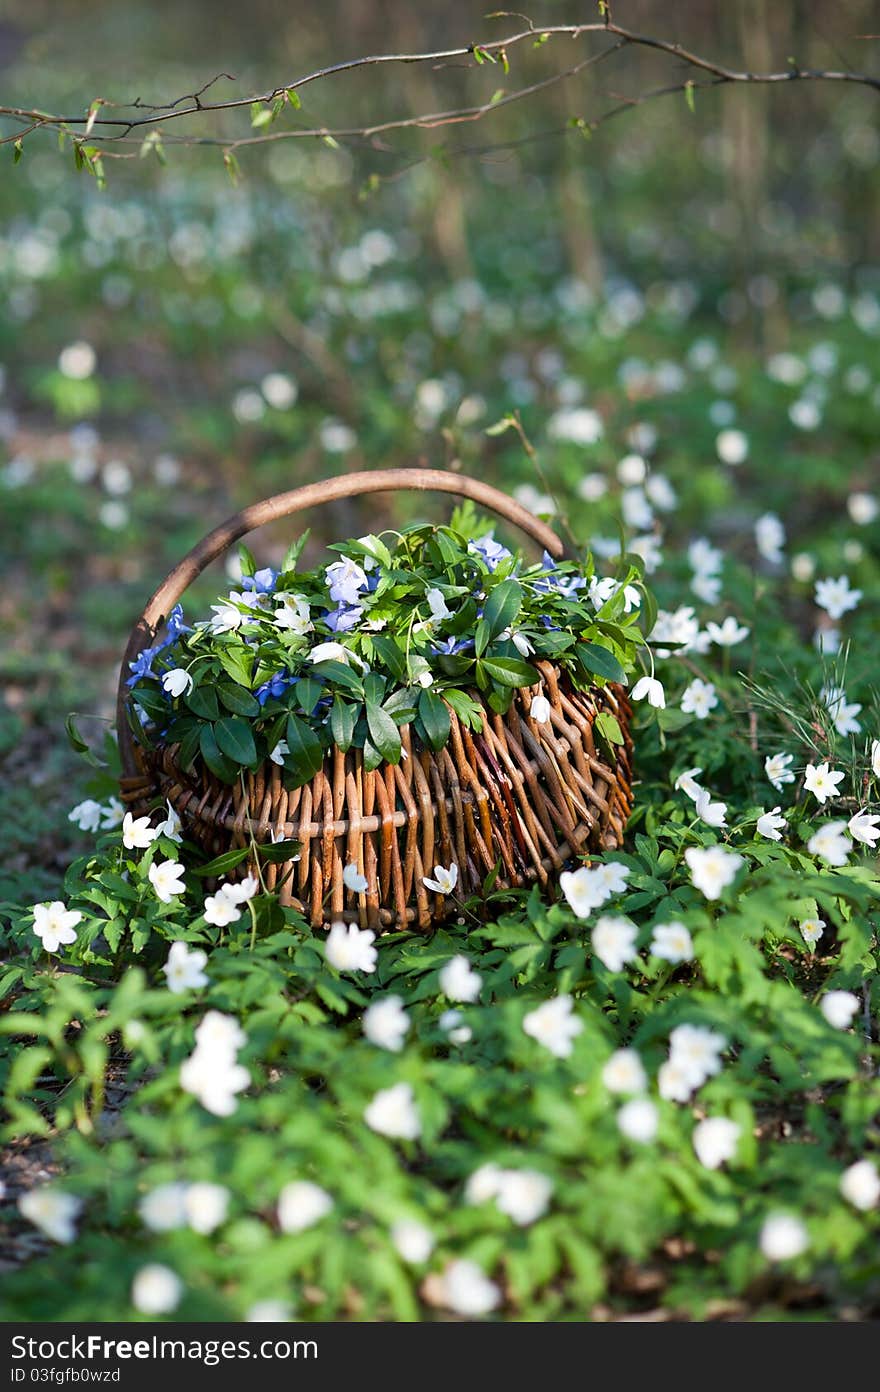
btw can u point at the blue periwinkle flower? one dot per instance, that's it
(261, 582)
(142, 666)
(492, 552)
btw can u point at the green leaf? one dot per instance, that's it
(293, 553)
(217, 761)
(237, 662)
(278, 851)
(435, 718)
(78, 743)
(343, 718)
(391, 655)
(508, 671)
(307, 694)
(341, 674)
(236, 739)
(374, 689)
(600, 662)
(501, 608)
(306, 753)
(608, 727)
(384, 734)
(221, 863)
(202, 701)
(238, 700)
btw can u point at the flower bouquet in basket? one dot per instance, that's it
(427, 715)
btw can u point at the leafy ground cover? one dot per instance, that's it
(657, 1095)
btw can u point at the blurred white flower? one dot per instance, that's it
(836, 597)
(451, 1022)
(577, 425)
(783, 1237)
(349, 948)
(770, 538)
(727, 634)
(860, 1185)
(638, 1120)
(672, 942)
(393, 1112)
(697, 1052)
(805, 413)
(301, 1204)
(624, 1072)
(52, 1211)
(77, 361)
(863, 508)
(279, 390)
(524, 1195)
(811, 930)
(386, 1023)
(732, 446)
(164, 1208)
(771, 825)
(354, 880)
(459, 981)
(839, 1007)
(413, 1241)
(803, 567)
(156, 1290)
(554, 1025)
(712, 869)
(830, 843)
(206, 1206)
(86, 815)
(466, 1290)
(776, 767)
(337, 438)
(112, 814)
(699, 699)
(184, 968)
(248, 406)
(268, 1312)
(55, 924)
(864, 827)
(613, 940)
(715, 1141)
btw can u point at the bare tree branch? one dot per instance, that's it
(96, 133)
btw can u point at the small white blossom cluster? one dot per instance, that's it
(224, 907)
(589, 887)
(200, 1205)
(212, 1072)
(694, 1056)
(523, 1195)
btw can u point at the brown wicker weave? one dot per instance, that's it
(522, 797)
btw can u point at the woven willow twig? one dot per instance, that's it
(522, 797)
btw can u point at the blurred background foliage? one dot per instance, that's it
(180, 344)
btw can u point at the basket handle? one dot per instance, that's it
(284, 505)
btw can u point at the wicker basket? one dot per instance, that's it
(519, 798)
